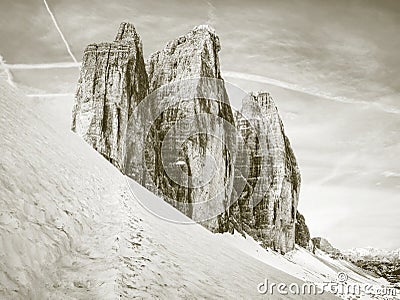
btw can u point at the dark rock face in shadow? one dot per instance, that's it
(302, 234)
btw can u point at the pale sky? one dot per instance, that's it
(332, 67)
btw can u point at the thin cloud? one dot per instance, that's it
(391, 174)
(338, 170)
(231, 74)
(309, 91)
(60, 65)
(49, 95)
(59, 31)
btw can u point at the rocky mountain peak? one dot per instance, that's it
(267, 214)
(197, 36)
(194, 54)
(126, 31)
(113, 82)
(263, 98)
(191, 56)
(259, 104)
(204, 27)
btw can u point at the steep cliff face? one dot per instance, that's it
(266, 208)
(112, 81)
(186, 150)
(302, 234)
(181, 141)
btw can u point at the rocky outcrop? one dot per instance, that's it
(324, 245)
(302, 234)
(266, 208)
(177, 89)
(112, 81)
(182, 144)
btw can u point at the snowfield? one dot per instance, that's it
(73, 227)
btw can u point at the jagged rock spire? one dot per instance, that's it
(126, 31)
(266, 214)
(193, 55)
(112, 80)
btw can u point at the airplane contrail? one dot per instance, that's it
(309, 91)
(60, 65)
(229, 74)
(59, 31)
(49, 95)
(286, 85)
(211, 14)
(338, 170)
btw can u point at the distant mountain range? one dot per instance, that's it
(371, 253)
(383, 262)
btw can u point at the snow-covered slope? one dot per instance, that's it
(60, 209)
(71, 228)
(318, 268)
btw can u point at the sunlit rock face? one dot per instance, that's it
(112, 81)
(188, 137)
(266, 208)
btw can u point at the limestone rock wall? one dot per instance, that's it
(266, 208)
(183, 99)
(112, 80)
(302, 234)
(160, 125)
